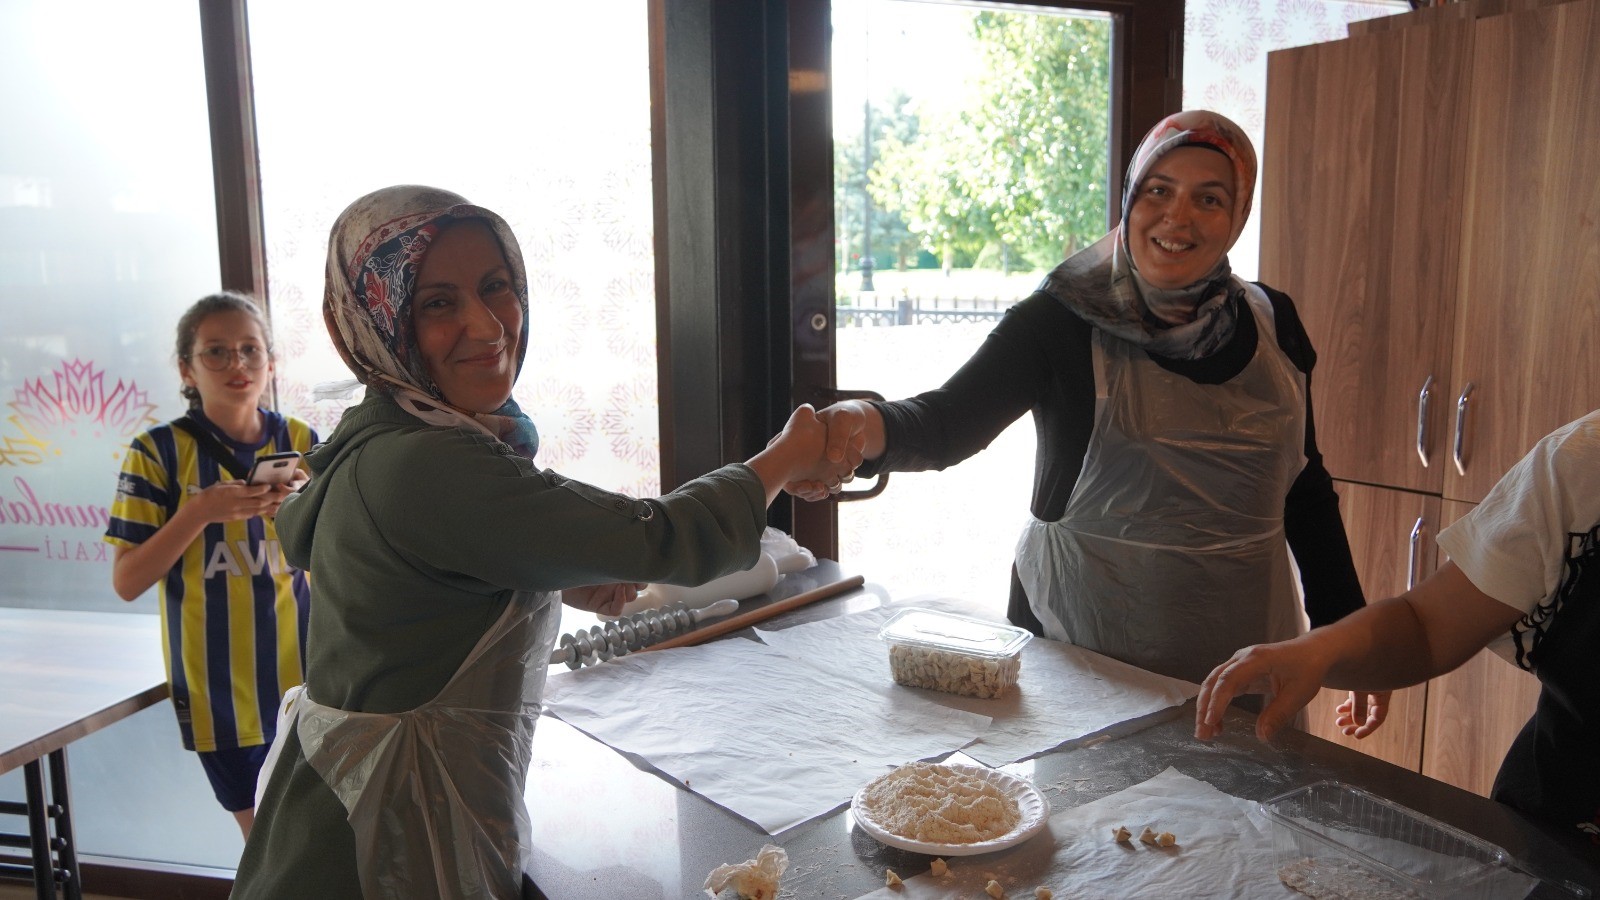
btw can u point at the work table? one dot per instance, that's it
(605, 825)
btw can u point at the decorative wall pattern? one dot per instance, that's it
(550, 135)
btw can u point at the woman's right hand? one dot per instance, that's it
(850, 426)
(801, 452)
(233, 501)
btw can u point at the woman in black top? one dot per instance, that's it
(1176, 449)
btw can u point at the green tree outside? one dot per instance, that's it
(892, 241)
(1020, 170)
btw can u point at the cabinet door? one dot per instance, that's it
(1361, 190)
(1529, 305)
(1475, 712)
(1391, 537)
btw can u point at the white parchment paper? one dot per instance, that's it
(774, 739)
(1062, 693)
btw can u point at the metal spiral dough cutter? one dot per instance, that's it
(621, 636)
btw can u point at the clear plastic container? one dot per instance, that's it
(951, 653)
(1341, 841)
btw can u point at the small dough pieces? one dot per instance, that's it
(753, 879)
(953, 672)
(1121, 834)
(1166, 839)
(1147, 836)
(890, 879)
(994, 889)
(938, 868)
(1042, 893)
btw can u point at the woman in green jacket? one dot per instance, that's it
(441, 555)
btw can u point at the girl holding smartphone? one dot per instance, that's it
(187, 519)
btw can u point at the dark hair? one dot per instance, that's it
(189, 323)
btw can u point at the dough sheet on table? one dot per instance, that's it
(774, 739)
(1062, 692)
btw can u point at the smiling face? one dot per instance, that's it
(467, 318)
(1181, 221)
(234, 336)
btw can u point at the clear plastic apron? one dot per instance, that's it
(435, 795)
(1171, 554)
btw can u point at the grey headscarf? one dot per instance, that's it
(1102, 284)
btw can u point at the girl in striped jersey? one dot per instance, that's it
(233, 611)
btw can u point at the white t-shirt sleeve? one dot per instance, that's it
(1514, 545)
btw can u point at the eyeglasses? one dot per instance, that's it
(218, 359)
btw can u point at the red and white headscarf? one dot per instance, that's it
(1101, 283)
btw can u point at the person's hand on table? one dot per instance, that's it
(601, 599)
(847, 435)
(1289, 674)
(1361, 713)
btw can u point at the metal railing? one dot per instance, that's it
(919, 311)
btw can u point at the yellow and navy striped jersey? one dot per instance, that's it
(234, 613)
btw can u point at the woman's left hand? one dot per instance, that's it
(1361, 713)
(601, 599)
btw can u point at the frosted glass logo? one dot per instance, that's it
(72, 409)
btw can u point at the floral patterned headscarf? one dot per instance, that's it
(1102, 283)
(376, 247)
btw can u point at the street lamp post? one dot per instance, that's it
(866, 164)
(866, 202)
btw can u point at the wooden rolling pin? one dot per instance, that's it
(741, 620)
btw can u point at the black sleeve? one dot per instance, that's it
(992, 389)
(1311, 516)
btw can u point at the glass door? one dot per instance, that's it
(972, 150)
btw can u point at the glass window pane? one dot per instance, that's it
(107, 233)
(496, 101)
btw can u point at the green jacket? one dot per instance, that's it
(416, 536)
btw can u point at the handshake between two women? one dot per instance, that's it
(852, 432)
(816, 453)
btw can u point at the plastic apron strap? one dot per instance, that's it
(286, 711)
(1170, 554)
(435, 795)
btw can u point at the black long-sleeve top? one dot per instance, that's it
(1039, 358)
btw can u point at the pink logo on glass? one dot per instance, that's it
(71, 408)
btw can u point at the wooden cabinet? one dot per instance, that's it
(1357, 176)
(1431, 201)
(1528, 296)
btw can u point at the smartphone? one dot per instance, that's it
(274, 468)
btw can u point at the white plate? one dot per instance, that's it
(1032, 808)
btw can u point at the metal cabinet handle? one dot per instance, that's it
(1422, 420)
(1414, 555)
(833, 395)
(1461, 429)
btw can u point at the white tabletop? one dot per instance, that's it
(65, 674)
